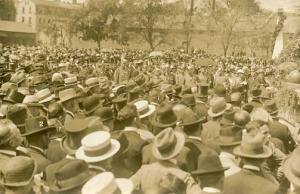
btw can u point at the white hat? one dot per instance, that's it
(97, 146)
(144, 108)
(71, 81)
(57, 77)
(44, 95)
(106, 183)
(67, 94)
(92, 82)
(30, 99)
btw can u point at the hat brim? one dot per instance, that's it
(227, 141)
(178, 147)
(115, 147)
(194, 122)
(212, 114)
(152, 109)
(8, 100)
(203, 171)
(94, 108)
(266, 154)
(40, 130)
(289, 174)
(47, 99)
(23, 183)
(66, 148)
(125, 185)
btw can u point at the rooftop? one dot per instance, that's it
(8, 26)
(56, 4)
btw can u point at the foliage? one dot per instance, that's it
(278, 27)
(151, 18)
(292, 52)
(227, 14)
(53, 30)
(7, 10)
(100, 20)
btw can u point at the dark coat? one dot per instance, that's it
(283, 133)
(54, 152)
(248, 182)
(39, 157)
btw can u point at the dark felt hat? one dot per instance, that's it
(36, 125)
(209, 164)
(105, 113)
(164, 117)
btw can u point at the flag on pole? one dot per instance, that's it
(278, 45)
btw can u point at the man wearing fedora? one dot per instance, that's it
(67, 176)
(210, 174)
(277, 129)
(191, 125)
(18, 175)
(37, 133)
(251, 178)
(166, 147)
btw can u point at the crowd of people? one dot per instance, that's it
(129, 121)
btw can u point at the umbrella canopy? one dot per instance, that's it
(156, 54)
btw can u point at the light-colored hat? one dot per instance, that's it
(30, 99)
(67, 94)
(144, 108)
(218, 106)
(71, 81)
(167, 144)
(57, 77)
(97, 146)
(106, 183)
(44, 95)
(92, 82)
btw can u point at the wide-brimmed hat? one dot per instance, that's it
(128, 111)
(97, 146)
(227, 117)
(230, 136)
(218, 106)
(67, 94)
(17, 113)
(91, 103)
(35, 125)
(220, 90)
(13, 96)
(91, 82)
(291, 167)
(104, 113)
(18, 171)
(44, 95)
(144, 109)
(67, 174)
(252, 146)
(70, 81)
(189, 117)
(107, 184)
(120, 98)
(76, 130)
(164, 117)
(167, 144)
(271, 107)
(188, 100)
(209, 164)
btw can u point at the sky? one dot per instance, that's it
(287, 5)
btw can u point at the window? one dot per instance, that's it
(29, 20)
(23, 19)
(23, 9)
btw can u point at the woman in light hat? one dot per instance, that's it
(106, 183)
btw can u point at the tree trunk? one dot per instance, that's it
(99, 44)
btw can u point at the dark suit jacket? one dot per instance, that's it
(248, 182)
(282, 132)
(54, 152)
(40, 158)
(185, 159)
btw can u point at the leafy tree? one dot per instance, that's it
(151, 18)
(7, 10)
(227, 15)
(100, 20)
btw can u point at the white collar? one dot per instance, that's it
(251, 167)
(211, 190)
(37, 148)
(130, 128)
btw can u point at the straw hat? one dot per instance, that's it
(218, 106)
(107, 184)
(44, 95)
(144, 108)
(97, 146)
